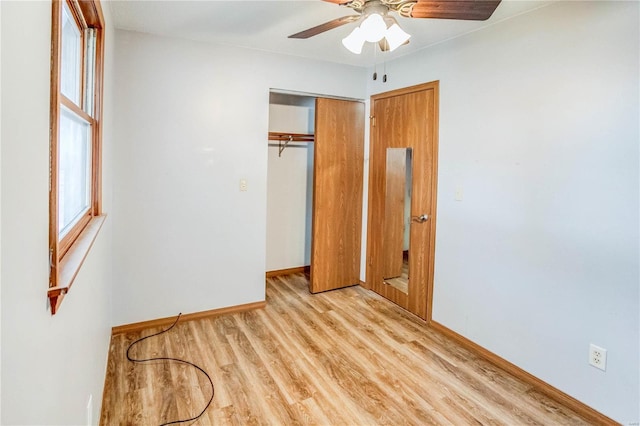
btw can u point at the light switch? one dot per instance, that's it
(459, 193)
(243, 185)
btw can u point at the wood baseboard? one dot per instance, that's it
(584, 410)
(160, 322)
(288, 271)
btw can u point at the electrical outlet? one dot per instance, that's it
(598, 357)
(243, 185)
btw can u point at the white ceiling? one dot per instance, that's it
(265, 25)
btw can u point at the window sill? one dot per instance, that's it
(72, 261)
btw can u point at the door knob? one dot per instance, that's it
(421, 218)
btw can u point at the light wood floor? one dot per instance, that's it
(346, 357)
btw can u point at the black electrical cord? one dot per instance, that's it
(176, 360)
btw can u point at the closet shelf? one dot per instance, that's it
(288, 138)
(291, 137)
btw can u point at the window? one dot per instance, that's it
(75, 215)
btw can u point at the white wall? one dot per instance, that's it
(192, 120)
(289, 190)
(539, 125)
(0, 220)
(50, 364)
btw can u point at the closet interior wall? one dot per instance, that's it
(289, 183)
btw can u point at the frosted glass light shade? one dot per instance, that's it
(396, 37)
(354, 41)
(373, 28)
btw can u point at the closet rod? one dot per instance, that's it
(288, 138)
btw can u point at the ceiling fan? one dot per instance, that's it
(377, 25)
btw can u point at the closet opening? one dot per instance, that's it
(290, 183)
(314, 188)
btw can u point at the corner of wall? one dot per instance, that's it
(0, 213)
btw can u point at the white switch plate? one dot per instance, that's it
(459, 193)
(243, 185)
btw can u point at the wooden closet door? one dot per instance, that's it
(337, 194)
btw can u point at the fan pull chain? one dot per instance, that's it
(375, 63)
(384, 77)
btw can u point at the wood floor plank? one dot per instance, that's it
(311, 413)
(290, 384)
(209, 353)
(184, 377)
(319, 385)
(345, 357)
(350, 368)
(254, 375)
(327, 375)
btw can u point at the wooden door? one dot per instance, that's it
(337, 194)
(405, 118)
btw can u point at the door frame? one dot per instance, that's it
(373, 232)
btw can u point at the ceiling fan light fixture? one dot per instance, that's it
(396, 37)
(377, 24)
(373, 28)
(354, 41)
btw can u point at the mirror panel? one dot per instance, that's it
(397, 218)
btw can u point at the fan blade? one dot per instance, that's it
(326, 26)
(472, 10)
